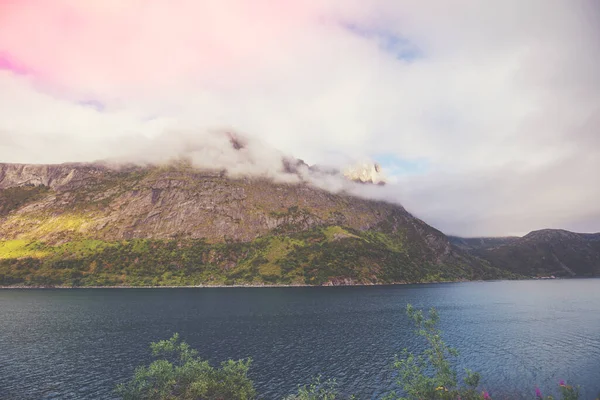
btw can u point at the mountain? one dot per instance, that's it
(174, 224)
(479, 243)
(540, 253)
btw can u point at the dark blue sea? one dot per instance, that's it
(79, 343)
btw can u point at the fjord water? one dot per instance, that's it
(78, 344)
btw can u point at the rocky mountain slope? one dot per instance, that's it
(97, 224)
(540, 253)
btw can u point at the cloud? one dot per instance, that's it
(500, 101)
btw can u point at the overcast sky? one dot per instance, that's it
(485, 114)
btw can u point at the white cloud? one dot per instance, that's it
(499, 99)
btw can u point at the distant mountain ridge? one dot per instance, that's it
(546, 252)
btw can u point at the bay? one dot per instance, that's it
(79, 343)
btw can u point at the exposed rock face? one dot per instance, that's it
(58, 177)
(365, 173)
(165, 202)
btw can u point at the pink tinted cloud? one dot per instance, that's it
(107, 46)
(9, 65)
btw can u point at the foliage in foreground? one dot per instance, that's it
(429, 376)
(183, 375)
(318, 390)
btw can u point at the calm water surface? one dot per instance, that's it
(78, 344)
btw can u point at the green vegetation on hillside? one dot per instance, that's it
(181, 374)
(327, 255)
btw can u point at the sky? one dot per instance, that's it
(485, 115)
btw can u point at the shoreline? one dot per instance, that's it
(238, 286)
(62, 287)
(274, 285)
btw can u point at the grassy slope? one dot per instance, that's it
(328, 254)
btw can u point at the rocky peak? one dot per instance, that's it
(366, 172)
(58, 177)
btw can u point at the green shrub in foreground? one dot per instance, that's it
(183, 375)
(318, 390)
(431, 375)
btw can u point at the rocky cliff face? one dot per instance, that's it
(366, 173)
(58, 177)
(176, 201)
